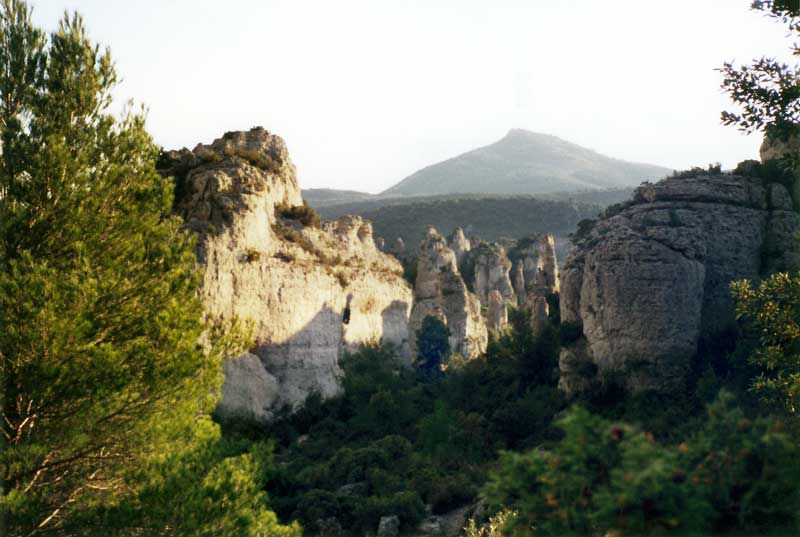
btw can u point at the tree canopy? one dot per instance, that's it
(108, 365)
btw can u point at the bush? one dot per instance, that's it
(433, 344)
(301, 213)
(696, 171)
(734, 474)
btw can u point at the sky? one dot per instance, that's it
(365, 92)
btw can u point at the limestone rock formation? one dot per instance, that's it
(536, 259)
(440, 292)
(491, 273)
(398, 248)
(459, 244)
(518, 281)
(652, 276)
(311, 293)
(497, 313)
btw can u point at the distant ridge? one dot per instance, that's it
(321, 197)
(525, 162)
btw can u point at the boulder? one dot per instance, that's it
(389, 526)
(431, 526)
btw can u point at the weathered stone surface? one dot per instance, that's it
(492, 268)
(249, 390)
(539, 311)
(775, 149)
(440, 292)
(431, 526)
(540, 264)
(459, 244)
(398, 248)
(518, 281)
(389, 526)
(653, 276)
(297, 285)
(497, 314)
(329, 526)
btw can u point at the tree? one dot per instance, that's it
(107, 361)
(772, 309)
(767, 91)
(604, 478)
(433, 344)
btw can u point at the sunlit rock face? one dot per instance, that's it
(653, 276)
(459, 244)
(497, 313)
(440, 291)
(492, 273)
(310, 293)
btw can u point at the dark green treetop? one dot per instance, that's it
(108, 364)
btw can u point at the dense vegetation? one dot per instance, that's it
(109, 368)
(714, 458)
(400, 438)
(490, 218)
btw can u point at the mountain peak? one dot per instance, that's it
(528, 163)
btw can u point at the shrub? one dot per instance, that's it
(433, 344)
(696, 171)
(304, 214)
(602, 477)
(734, 474)
(585, 228)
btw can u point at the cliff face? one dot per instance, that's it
(653, 277)
(440, 291)
(492, 268)
(311, 293)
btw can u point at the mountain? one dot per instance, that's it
(526, 162)
(322, 197)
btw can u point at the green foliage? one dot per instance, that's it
(773, 308)
(410, 265)
(106, 362)
(767, 92)
(215, 488)
(490, 217)
(433, 344)
(301, 213)
(612, 478)
(713, 169)
(585, 228)
(398, 439)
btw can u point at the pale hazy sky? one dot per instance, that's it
(367, 92)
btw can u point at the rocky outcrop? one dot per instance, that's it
(398, 248)
(497, 312)
(310, 293)
(441, 292)
(535, 257)
(652, 276)
(491, 273)
(459, 244)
